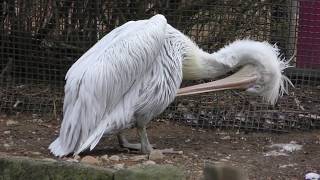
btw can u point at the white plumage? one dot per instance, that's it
(133, 73)
(312, 176)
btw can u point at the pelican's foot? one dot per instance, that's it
(131, 146)
(134, 146)
(123, 142)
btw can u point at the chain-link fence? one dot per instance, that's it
(40, 39)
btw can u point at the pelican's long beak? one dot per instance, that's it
(242, 79)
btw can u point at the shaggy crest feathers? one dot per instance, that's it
(265, 57)
(283, 81)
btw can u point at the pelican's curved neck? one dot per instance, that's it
(199, 64)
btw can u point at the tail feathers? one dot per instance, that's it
(57, 149)
(75, 138)
(94, 138)
(117, 120)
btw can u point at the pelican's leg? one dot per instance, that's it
(123, 142)
(146, 147)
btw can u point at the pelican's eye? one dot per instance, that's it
(257, 87)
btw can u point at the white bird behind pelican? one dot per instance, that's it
(133, 73)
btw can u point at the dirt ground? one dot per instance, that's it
(29, 135)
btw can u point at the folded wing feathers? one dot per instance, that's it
(99, 80)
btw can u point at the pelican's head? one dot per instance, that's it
(260, 71)
(270, 82)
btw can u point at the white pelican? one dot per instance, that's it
(133, 73)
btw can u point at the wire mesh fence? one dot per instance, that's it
(41, 39)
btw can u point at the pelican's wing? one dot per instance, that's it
(98, 82)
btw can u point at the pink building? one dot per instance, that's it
(308, 45)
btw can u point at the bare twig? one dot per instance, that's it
(17, 103)
(277, 111)
(69, 46)
(6, 69)
(54, 108)
(312, 116)
(38, 93)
